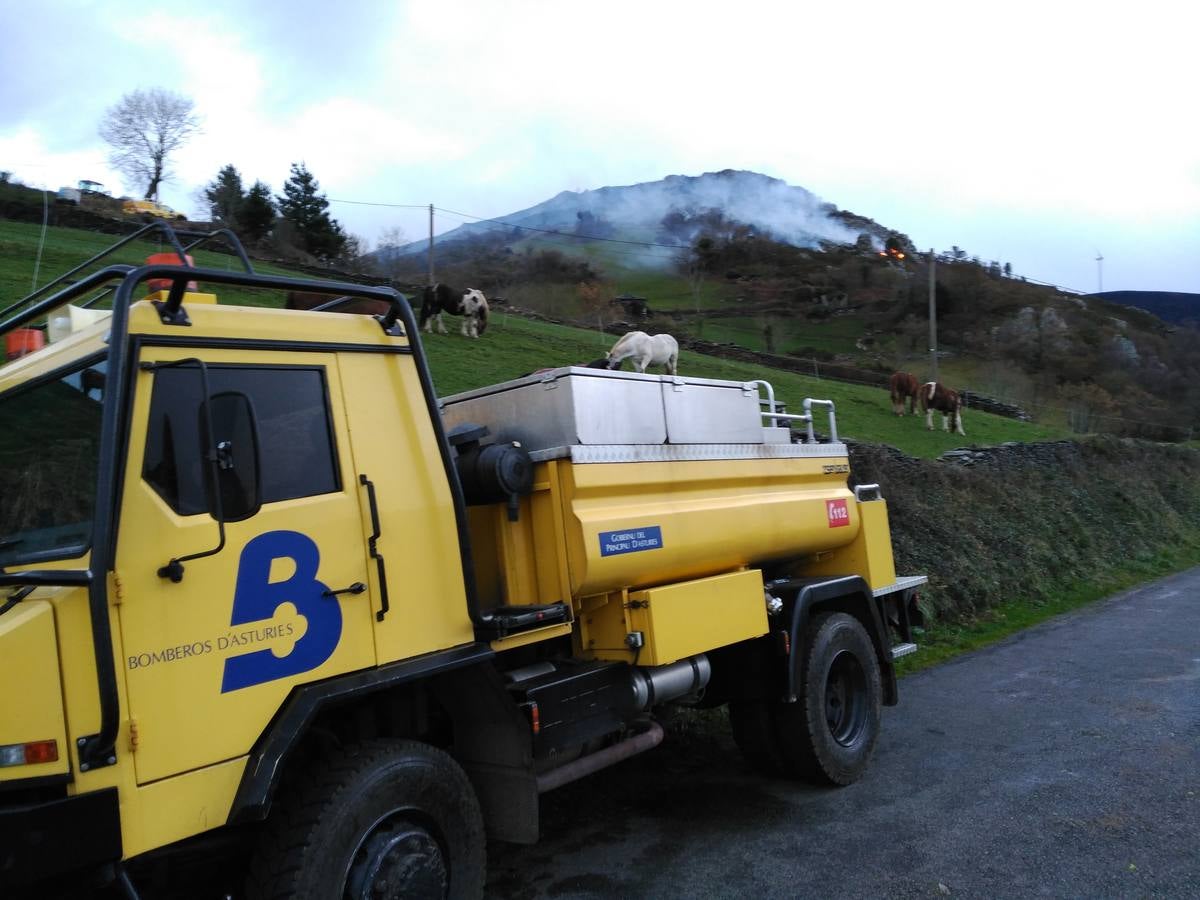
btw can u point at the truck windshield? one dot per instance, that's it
(49, 451)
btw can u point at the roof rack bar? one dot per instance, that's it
(91, 282)
(92, 301)
(153, 226)
(330, 305)
(336, 289)
(230, 238)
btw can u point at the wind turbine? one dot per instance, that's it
(1100, 271)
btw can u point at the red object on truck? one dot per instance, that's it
(21, 341)
(166, 259)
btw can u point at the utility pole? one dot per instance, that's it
(431, 245)
(1100, 272)
(933, 315)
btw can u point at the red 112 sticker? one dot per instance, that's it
(838, 514)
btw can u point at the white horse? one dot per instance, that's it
(645, 351)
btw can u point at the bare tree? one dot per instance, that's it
(143, 129)
(392, 238)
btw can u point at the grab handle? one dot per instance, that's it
(384, 606)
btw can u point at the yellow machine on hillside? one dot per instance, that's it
(257, 581)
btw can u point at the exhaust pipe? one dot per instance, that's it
(601, 759)
(651, 686)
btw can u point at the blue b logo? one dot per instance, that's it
(256, 599)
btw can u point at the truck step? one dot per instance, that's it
(899, 650)
(505, 620)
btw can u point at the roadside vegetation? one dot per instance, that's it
(1011, 535)
(947, 638)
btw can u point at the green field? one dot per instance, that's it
(66, 248)
(790, 335)
(514, 346)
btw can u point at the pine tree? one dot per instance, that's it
(306, 209)
(226, 196)
(257, 214)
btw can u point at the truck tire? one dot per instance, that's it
(829, 733)
(383, 818)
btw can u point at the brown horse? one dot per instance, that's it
(903, 386)
(936, 396)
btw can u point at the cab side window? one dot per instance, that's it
(295, 434)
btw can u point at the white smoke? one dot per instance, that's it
(789, 214)
(769, 206)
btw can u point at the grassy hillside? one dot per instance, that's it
(514, 346)
(1077, 361)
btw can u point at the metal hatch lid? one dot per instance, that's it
(552, 375)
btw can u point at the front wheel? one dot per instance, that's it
(380, 819)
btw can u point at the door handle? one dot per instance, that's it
(357, 588)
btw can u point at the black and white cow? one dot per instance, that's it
(470, 304)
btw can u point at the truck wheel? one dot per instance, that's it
(753, 725)
(380, 819)
(829, 733)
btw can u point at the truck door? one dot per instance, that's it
(418, 539)
(209, 659)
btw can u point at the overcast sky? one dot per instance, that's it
(1037, 134)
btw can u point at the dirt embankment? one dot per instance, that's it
(1026, 520)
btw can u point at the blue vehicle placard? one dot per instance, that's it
(631, 540)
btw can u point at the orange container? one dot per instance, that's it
(166, 259)
(23, 340)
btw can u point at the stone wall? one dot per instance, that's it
(1025, 520)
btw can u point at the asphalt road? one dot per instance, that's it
(1063, 762)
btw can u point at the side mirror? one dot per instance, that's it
(239, 464)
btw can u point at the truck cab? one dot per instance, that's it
(260, 584)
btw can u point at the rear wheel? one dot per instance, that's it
(831, 731)
(380, 819)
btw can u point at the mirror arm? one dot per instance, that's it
(173, 570)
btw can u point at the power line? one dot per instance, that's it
(391, 205)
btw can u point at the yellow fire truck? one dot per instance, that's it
(257, 579)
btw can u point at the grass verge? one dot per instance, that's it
(942, 642)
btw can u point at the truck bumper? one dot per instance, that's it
(58, 837)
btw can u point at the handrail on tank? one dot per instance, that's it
(771, 411)
(809, 403)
